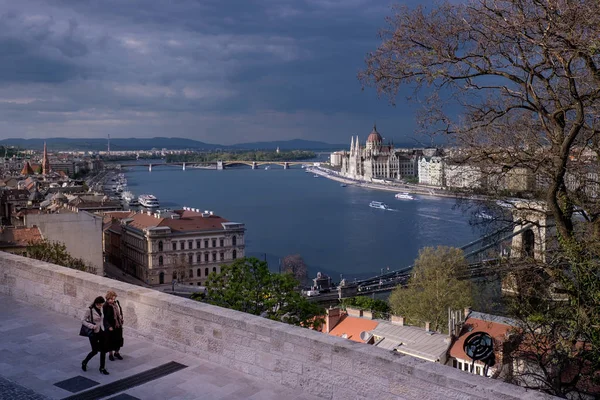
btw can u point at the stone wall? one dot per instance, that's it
(330, 367)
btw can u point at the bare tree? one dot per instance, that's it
(515, 84)
(294, 264)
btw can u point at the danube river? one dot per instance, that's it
(291, 212)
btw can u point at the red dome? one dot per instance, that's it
(374, 136)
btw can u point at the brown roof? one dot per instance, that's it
(496, 330)
(19, 236)
(188, 221)
(352, 327)
(108, 216)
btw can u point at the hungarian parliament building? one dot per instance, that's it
(376, 160)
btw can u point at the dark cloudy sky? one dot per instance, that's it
(219, 71)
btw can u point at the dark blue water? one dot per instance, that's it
(331, 227)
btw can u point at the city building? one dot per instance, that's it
(16, 239)
(486, 329)
(375, 160)
(184, 245)
(431, 168)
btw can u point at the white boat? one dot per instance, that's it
(267, 167)
(130, 199)
(148, 201)
(315, 176)
(404, 196)
(379, 204)
(343, 185)
(483, 215)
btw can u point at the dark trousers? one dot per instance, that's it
(97, 343)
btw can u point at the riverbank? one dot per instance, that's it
(404, 188)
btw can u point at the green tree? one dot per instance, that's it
(56, 253)
(247, 285)
(433, 287)
(380, 308)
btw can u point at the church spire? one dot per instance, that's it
(352, 145)
(45, 162)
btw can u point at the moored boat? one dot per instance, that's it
(149, 201)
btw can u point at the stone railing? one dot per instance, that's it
(326, 366)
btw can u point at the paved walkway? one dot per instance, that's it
(39, 348)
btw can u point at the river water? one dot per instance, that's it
(291, 212)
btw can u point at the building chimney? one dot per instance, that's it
(397, 320)
(332, 319)
(427, 326)
(467, 312)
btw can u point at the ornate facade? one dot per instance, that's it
(376, 160)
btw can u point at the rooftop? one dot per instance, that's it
(412, 340)
(18, 236)
(186, 221)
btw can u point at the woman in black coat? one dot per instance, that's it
(113, 325)
(92, 318)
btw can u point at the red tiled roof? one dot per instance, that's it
(19, 236)
(496, 330)
(188, 221)
(352, 327)
(108, 216)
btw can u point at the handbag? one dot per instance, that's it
(85, 331)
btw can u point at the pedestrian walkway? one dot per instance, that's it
(41, 349)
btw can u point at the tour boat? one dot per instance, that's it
(343, 185)
(148, 201)
(379, 204)
(404, 196)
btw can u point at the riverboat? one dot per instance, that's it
(149, 201)
(380, 205)
(404, 196)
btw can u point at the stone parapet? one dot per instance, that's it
(323, 365)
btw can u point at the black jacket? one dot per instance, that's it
(109, 315)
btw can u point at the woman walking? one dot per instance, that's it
(113, 325)
(93, 320)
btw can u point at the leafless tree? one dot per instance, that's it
(515, 84)
(294, 264)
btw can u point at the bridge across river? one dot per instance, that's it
(483, 255)
(217, 164)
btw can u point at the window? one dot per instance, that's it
(454, 363)
(160, 260)
(181, 245)
(161, 278)
(191, 258)
(214, 243)
(174, 275)
(198, 258)
(205, 271)
(206, 243)
(460, 365)
(198, 244)
(198, 283)
(478, 370)
(222, 256)
(191, 273)
(234, 256)
(190, 244)
(199, 272)
(221, 242)
(214, 256)
(214, 269)
(234, 241)
(174, 245)
(160, 246)
(205, 257)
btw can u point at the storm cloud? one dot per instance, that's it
(216, 71)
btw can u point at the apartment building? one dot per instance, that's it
(184, 245)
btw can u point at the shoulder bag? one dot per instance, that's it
(85, 331)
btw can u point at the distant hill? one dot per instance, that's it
(117, 144)
(295, 144)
